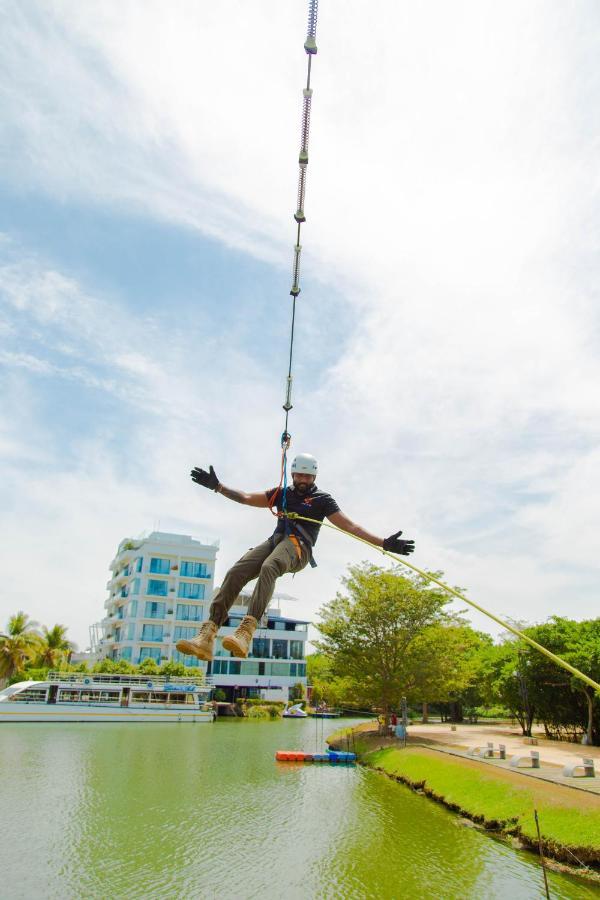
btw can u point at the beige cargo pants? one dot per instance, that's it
(266, 562)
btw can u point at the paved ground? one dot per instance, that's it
(553, 754)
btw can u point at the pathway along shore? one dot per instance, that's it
(497, 798)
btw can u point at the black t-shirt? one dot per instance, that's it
(315, 504)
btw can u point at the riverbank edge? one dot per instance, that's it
(558, 855)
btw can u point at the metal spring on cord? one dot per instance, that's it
(313, 9)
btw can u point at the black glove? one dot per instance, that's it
(206, 479)
(395, 545)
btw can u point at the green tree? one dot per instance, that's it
(442, 663)
(368, 631)
(563, 701)
(54, 648)
(18, 646)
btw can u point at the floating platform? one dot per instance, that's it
(332, 756)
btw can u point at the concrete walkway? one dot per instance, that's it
(553, 754)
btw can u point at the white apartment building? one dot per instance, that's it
(160, 591)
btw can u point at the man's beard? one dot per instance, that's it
(301, 488)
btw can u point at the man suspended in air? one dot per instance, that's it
(289, 549)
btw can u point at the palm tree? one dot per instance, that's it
(19, 645)
(54, 648)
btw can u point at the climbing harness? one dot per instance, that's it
(431, 578)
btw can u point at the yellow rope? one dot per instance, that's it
(445, 587)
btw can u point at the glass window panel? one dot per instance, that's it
(152, 632)
(126, 653)
(280, 649)
(134, 587)
(249, 667)
(189, 612)
(160, 566)
(157, 587)
(280, 669)
(138, 564)
(190, 569)
(234, 667)
(155, 610)
(182, 632)
(150, 653)
(191, 591)
(297, 649)
(261, 648)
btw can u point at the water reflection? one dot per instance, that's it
(130, 810)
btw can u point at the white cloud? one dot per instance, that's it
(451, 197)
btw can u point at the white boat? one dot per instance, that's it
(83, 697)
(294, 712)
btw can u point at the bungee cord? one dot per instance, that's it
(445, 587)
(310, 47)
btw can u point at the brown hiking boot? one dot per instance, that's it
(203, 644)
(239, 642)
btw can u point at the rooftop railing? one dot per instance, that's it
(124, 680)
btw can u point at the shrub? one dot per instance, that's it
(258, 712)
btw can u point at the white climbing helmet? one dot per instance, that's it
(305, 464)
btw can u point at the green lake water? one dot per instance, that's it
(185, 811)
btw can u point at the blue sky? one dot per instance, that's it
(447, 337)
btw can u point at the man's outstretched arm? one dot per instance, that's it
(392, 543)
(209, 480)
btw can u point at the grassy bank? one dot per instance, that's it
(499, 800)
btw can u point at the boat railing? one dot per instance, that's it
(157, 681)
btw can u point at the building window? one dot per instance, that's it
(149, 653)
(219, 666)
(193, 570)
(154, 610)
(131, 632)
(191, 591)
(280, 669)
(297, 649)
(117, 635)
(126, 571)
(302, 670)
(261, 648)
(132, 609)
(185, 633)
(249, 667)
(126, 653)
(186, 660)
(157, 588)
(278, 626)
(152, 632)
(134, 587)
(293, 668)
(138, 563)
(233, 621)
(234, 667)
(261, 668)
(280, 649)
(188, 612)
(160, 566)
